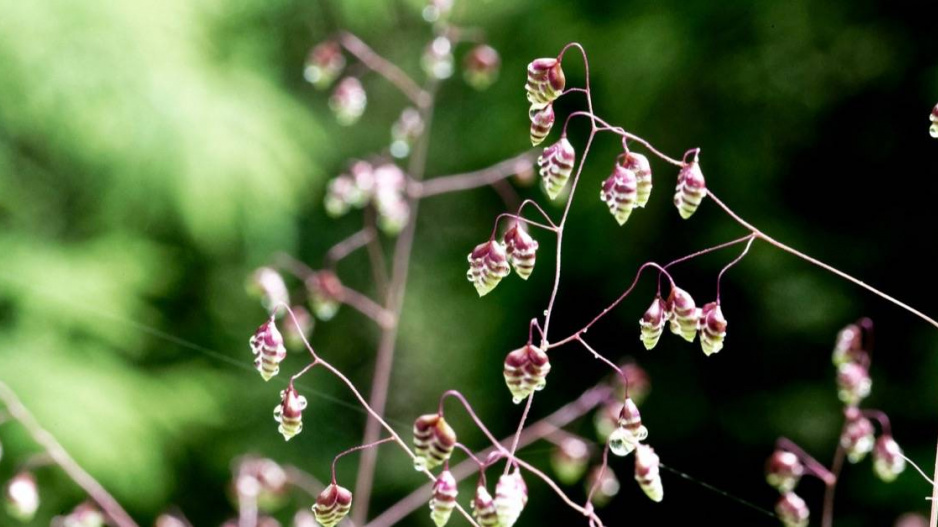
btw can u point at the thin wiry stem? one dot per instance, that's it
(54, 449)
(396, 76)
(348, 246)
(475, 179)
(731, 264)
(340, 455)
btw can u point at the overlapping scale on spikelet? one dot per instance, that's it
(511, 495)
(647, 472)
(443, 500)
(542, 120)
(783, 470)
(857, 438)
(434, 441)
(620, 193)
(629, 431)
(526, 371)
(488, 264)
(712, 328)
(332, 505)
(545, 82)
(652, 322)
(483, 508)
(269, 351)
(555, 166)
(691, 189)
(521, 249)
(792, 510)
(683, 314)
(888, 461)
(639, 164)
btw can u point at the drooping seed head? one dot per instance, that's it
(483, 508)
(555, 166)
(324, 64)
(480, 67)
(933, 131)
(289, 413)
(270, 287)
(348, 101)
(332, 505)
(542, 120)
(405, 131)
(434, 441)
(783, 470)
(652, 322)
(857, 438)
(639, 164)
(526, 371)
(488, 264)
(22, 496)
(712, 328)
(268, 349)
(511, 495)
(443, 500)
(545, 82)
(647, 472)
(569, 460)
(325, 293)
(437, 58)
(521, 249)
(606, 483)
(620, 193)
(792, 510)
(853, 383)
(683, 314)
(849, 346)
(888, 461)
(691, 189)
(631, 419)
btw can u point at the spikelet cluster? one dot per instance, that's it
(652, 322)
(648, 472)
(783, 470)
(858, 437)
(629, 431)
(268, 349)
(712, 328)
(289, 413)
(324, 64)
(481, 65)
(348, 101)
(683, 314)
(691, 189)
(545, 82)
(332, 505)
(555, 166)
(620, 193)
(888, 460)
(434, 441)
(488, 264)
(792, 510)
(933, 130)
(511, 496)
(526, 370)
(443, 500)
(483, 508)
(521, 250)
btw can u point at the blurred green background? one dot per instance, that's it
(152, 154)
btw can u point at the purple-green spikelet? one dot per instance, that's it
(888, 461)
(289, 413)
(683, 314)
(712, 328)
(348, 101)
(521, 250)
(639, 164)
(792, 510)
(434, 441)
(647, 472)
(483, 508)
(526, 371)
(488, 264)
(555, 166)
(332, 505)
(324, 64)
(268, 349)
(545, 82)
(783, 470)
(542, 120)
(511, 495)
(691, 189)
(652, 322)
(620, 193)
(481, 65)
(443, 500)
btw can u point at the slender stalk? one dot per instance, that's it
(470, 180)
(340, 455)
(394, 303)
(396, 76)
(349, 245)
(95, 491)
(379, 270)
